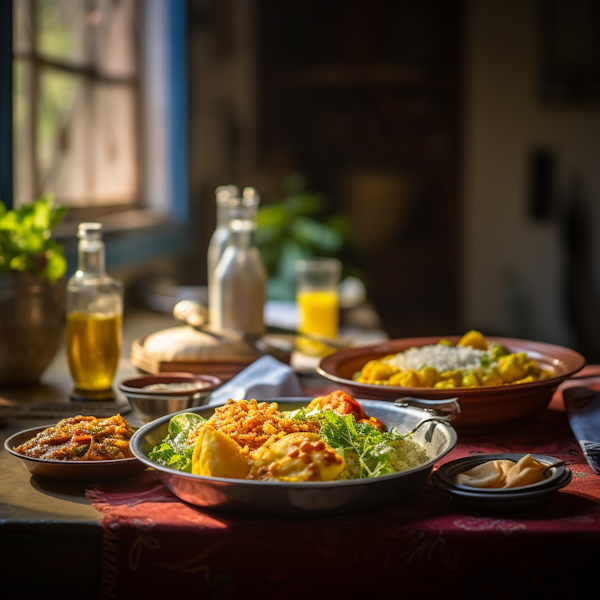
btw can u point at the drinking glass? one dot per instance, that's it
(318, 301)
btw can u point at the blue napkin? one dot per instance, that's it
(264, 378)
(583, 410)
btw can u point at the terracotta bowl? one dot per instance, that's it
(483, 408)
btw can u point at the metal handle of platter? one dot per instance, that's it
(446, 408)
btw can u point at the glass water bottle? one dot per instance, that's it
(94, 312)
(225, 195)
(237, 296)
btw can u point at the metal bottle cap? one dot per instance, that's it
(250, 197)
(226, 192)
(90, 231)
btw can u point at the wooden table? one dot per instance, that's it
(51, 538)
(52, 523)
(46, 519)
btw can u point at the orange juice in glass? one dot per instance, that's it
(318, 302)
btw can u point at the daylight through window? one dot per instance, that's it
(76, 100)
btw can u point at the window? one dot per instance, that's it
(75, 119)
(93, 109)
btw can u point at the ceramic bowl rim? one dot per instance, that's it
(541, 492)
(325, 367)
(443, 473)
(166, 377)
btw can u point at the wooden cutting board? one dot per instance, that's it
(224, 369)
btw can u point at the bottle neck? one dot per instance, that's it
(222, 216)
(242, 233)
(241, 222)
(91, 258)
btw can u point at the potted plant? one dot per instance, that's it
(31, 263)
(300, 226)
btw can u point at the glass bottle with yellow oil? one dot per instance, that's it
(94, 312)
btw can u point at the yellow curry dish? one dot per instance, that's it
(472, 362)
(331, 439)
(81, 438)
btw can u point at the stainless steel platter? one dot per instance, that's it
(274, 498)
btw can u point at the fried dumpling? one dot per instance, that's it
(217, 455)
(297, 457)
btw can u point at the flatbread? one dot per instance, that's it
(185, 344)
(503, 473)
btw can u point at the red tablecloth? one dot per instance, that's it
(156, 546)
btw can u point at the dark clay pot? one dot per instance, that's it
(30, 327)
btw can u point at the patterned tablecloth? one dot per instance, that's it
(156, 546)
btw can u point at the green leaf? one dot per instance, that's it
(31, 241)
(56, 264)
(165, 455)
(304, 204)
(272, 215)
(9, 221)
(19, 262)
(56, 216)
(291, 251)
(321, 237)
(360, 441)
(24, 239)
(174, 452)
(341, 224)
(41, 215)
(268, 235)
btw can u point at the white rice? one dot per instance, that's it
(407, 454)
(443, 358)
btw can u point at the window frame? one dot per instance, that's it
(160, 227)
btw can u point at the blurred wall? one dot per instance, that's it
(514, 267)
(223, 113)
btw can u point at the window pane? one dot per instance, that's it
(86, 140)
(62, 31)
(97, 33)
(23, 33)
(56, 97)
(116, 50)
(114, 145)
(76, 95)
(23, 190)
